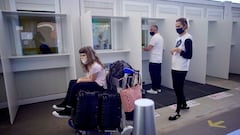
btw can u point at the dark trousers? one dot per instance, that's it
(74, 88)
(70, 86)
(155, 74)
(178, 78)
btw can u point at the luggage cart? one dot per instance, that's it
(134, 77)
(131, 77)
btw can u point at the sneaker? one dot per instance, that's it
(151, 91)
(159, 90)
(66, 113)
(175, 116)
(59, 106)
(127, 130)
(184, 107)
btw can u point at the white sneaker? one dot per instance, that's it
(127, 130)
(57, 107)
(151, 91)
(56, 114)
(159, 90)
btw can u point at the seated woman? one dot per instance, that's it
(94, 80)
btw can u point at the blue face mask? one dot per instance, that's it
(180, 30)
(151, 33)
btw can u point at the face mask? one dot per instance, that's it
(152, 33)
(180, 30)
(84, 60)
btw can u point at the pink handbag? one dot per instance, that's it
(129, 95)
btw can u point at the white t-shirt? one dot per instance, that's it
(178, 62)
(157, 50)
(101, 75)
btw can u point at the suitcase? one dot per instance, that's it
(86, 112)
(110, 111)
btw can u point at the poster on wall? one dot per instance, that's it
(101, 34)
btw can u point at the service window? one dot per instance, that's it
(35, 33)
(38, 35)
(101, 33)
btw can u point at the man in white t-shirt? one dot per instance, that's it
(155, 47)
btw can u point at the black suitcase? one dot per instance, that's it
(86, 112)
(110, 111)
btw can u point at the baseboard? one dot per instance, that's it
(41, 99)
(3, 105)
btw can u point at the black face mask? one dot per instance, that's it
(151, 33)
(180, 30)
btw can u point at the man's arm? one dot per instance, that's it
(148, 48)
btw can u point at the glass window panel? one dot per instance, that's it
(101, 33)
(145, 33)
(35, 33)
(38, 35)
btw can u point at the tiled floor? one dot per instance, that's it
(194, 121)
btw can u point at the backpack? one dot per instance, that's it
(115, 73)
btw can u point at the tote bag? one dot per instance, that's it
(129, 95)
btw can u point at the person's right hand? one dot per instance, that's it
(177, 50)
(78, 80)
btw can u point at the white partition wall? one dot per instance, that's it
(197, 69)
(118, 52)
(8, 75)
(235, 49)
(218, 52)
(48, 5)
(132, 41)
(86, 29)
(145, 55)
(73, 30)
(166, 27)
(168, 31)
(18, 71)
(26, 66)
(103, 7)
(125, 39)
(141, 8)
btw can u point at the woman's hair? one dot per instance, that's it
(91, 57)
(183, 21)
